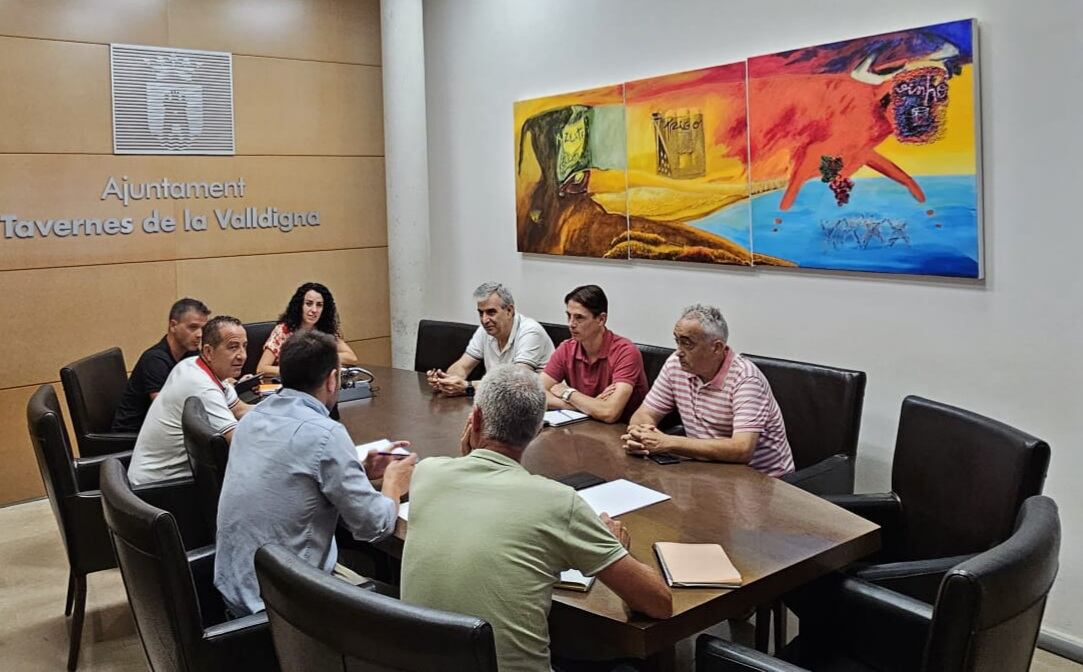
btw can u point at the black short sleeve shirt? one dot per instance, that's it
(147, 377)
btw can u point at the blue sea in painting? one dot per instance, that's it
(882, 229)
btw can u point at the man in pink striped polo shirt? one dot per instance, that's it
(724, 401)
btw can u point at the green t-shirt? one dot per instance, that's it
(488, 539)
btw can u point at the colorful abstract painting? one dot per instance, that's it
(864, 153)
(687, 197)
(861, 155)
(570, 154)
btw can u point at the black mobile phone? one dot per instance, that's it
(664, 458)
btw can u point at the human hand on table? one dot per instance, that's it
(643, 440)
(618, 529)
(378, 460)
(446, 384)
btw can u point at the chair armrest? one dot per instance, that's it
(878, 624)
(919, 579)
(88, 469)
(884, 509)
(831, 476)
(241, 644)
(103, 443)
(178, 496)
(718, 655)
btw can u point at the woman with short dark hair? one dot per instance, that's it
(310, 307)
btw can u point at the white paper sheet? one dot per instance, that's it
(620, 496)
(404, 511)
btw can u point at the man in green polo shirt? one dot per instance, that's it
(489, 539)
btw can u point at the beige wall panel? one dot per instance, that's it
(43, 186)
(103, 21)
(54, 96)
(259, 287)
(348, 193)
(346, 31)
(63, 314)
(19, 475)
(375, 351)
(308, 108)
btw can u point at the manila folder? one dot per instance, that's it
(696, 565)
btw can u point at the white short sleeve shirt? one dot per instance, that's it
(528, 344)
(159, 451)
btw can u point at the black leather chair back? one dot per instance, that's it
(961, 477)
(53, 452)
(654, 357)
(94, 386)
(322, 623)
(821, 406)
(257, 333)
(440, 344)
(208, 453)
(558, 333)
(989, 608)
(155, 570)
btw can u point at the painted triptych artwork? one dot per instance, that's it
(859, 155)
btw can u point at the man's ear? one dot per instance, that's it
(603, 318)
(332, 382)
(475, 425)
(206, 349)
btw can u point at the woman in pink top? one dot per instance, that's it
(311, 307)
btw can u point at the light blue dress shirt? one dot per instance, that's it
(292, 471)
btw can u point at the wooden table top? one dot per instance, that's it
(777, 535)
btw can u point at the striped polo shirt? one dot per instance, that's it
(737, 400)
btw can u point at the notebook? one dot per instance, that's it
(559, 418)
(696, 565)
(573, 579)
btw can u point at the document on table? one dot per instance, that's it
(381, 446)
(404, 511)
(620, 496)
(573, 579)
(561, 417)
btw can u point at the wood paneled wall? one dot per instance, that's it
(308, 120)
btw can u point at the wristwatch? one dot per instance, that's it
(567, 395)
(470, 388)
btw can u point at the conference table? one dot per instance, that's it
(777, 535)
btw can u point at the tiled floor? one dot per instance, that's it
(33, 630)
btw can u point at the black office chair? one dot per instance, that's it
(986, 616)
(821, 406)
(558, 333)
(440, 344)
(257, 334)
(958, 480)
(178, 612)
(208, 454)
(72, 486)
(94, 386)
(654, 358)
(322, 623)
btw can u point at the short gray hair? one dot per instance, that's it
(710, 318)
(512, 404)
(487, 289)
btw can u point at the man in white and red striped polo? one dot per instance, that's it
(724, 401)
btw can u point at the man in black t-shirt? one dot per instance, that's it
(186, 320)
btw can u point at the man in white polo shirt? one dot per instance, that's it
(724, 400)
(159, 451)
(504, 337)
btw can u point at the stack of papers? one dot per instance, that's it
(560, 418)
(620, 496)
